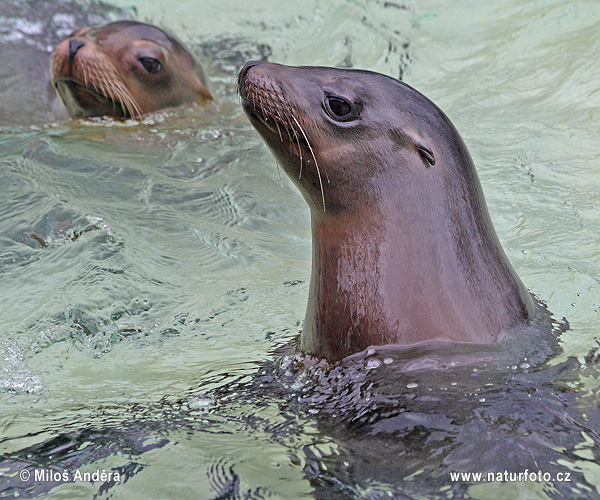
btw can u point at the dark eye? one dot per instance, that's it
(150, 64)
(339, 108)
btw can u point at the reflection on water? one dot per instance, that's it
(152, 274)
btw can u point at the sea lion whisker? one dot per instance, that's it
(262, 108)
(95, 87)
(137, 112)
(105, 85)
(132, 108)
(266, 100)
(129, 105)
(299, 153)
(254, 98)
(293, 129)
(95, 80)
(314, 158)
(252, 88)
(111, 89)
(85, 76)
(279, 112)
(290, 127)
(279, 118)
(279, 130)
(291, 115)
(285, 120)
(125, 99)
(299, 149)
(122, 100)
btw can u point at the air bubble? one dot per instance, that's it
(373, 363)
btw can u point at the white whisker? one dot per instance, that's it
(316, 164)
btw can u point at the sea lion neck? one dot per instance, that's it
(377, 275)
(398, 275)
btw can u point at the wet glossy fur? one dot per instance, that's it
(403, 247)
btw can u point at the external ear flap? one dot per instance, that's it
(426, 153)
(408, 137)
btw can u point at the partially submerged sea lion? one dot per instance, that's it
(124, 70)
(404, 250)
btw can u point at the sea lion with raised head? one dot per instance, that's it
(125, 69)
(404, 250)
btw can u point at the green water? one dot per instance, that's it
(144, 266)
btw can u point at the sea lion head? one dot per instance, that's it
(336, 132)
(125, 69)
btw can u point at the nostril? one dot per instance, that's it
(74, 46)
(247, 66)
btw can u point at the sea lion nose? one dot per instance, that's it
(247, 66)
(74, 46)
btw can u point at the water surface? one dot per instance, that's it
(150, 272)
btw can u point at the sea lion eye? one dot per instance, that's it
(339, 108)
(150, 64)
